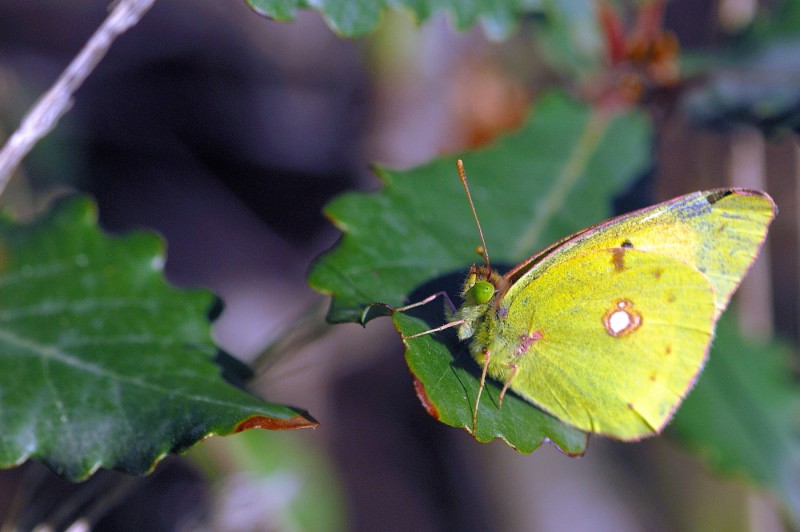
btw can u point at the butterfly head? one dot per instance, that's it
(479, 292)
(480, 286)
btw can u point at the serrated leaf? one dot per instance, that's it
(556, 175)
(355, 18)
(742, 417)
(102, 363)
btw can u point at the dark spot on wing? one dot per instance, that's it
(718, 195)
(668, 350)
(618, 258)
(658, 272)
(627, 244)
(671, 297)
(653, 377)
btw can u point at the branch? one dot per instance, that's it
(44, 115)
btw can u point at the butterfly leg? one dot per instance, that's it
(451, 308)
(514, 369)
(480, 390)
(427, 300)
(525, 343)
(437, 329)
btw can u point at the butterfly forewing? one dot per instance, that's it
(719, 232)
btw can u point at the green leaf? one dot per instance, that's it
(556, 175)
(571, 41)
(741, 418)
(773, 22)
(298, 486)
(753, 81)
(102, 363)
(354, 18)
(761, 89)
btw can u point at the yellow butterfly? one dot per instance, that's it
(609, 328)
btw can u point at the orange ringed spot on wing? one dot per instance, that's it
(419, 388)
(621, 319)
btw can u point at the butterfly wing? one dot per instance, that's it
(719, 232)
(608, 341)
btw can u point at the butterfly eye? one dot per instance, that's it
(481, 292)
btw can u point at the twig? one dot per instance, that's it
(304, 330)
(44, 115)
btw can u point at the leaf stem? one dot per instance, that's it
(564, 183)
(304, 330)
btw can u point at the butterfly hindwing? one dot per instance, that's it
(608, 341)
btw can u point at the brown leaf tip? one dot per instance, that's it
(423, 398)
(271, 423)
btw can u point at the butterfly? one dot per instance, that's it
(609, 328)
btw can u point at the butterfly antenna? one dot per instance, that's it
(463, 175)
